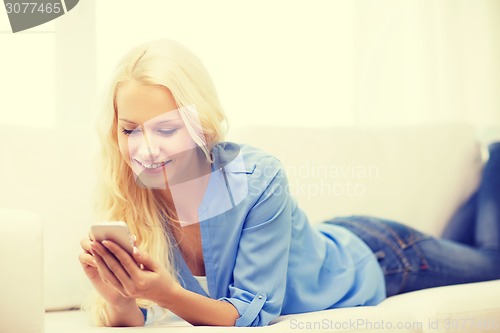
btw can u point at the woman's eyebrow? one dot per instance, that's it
(158, 123)
(167, 121)
(127, 121)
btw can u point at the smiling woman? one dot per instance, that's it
(157, 140)
(154, 137)
(201, 206)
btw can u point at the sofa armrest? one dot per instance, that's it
(21, 290)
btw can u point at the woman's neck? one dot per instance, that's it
(185, 198)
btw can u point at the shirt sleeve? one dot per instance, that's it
(262, 258)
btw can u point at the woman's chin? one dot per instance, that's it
(151, 181)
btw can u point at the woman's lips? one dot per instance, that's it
(151, 167)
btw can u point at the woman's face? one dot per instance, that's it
(152, 137)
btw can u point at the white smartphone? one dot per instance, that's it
(116, 231)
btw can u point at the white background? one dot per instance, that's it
(317, 63)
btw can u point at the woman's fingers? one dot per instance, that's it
(145, 260)
(86, 244)
(115, 267)
(124, 258)
(108, 269)
(87, 259)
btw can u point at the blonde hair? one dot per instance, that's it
(158, 63)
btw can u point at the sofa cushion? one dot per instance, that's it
(417, 175)
(472, 307)
(460, 308)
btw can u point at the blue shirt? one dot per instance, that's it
(262, 255)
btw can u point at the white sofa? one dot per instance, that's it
(416, 175)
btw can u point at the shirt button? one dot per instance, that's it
(260, 296)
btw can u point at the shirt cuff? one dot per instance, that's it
(248, 311)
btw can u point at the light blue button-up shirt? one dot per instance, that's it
(262, 255)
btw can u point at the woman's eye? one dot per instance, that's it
(167, 132)
(164, 132)
(128, 132)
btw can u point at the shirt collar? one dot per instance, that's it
(228, 155)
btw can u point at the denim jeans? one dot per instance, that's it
(469, 250)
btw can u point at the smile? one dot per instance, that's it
(153, 165)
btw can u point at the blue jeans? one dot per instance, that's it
(469, 250)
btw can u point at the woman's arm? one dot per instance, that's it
(155, 284)
(125, 315)
(260, 269)
(200, 310)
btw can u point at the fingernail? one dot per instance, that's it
(136, 251)
(105, 243)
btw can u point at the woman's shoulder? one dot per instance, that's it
(244, 158)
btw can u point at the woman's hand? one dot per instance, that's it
(111, 295)
(137, 276)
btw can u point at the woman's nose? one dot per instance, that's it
(148, 150)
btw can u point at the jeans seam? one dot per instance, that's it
(385, 240)
(399, 252)
(399, 240)
(411, 240)
(423, 258)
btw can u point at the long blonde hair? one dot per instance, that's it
(158, 63)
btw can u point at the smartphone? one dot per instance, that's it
(116, 231)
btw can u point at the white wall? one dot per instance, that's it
(318, 63)
(27, 80)
(272, 61)
(324, 62)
